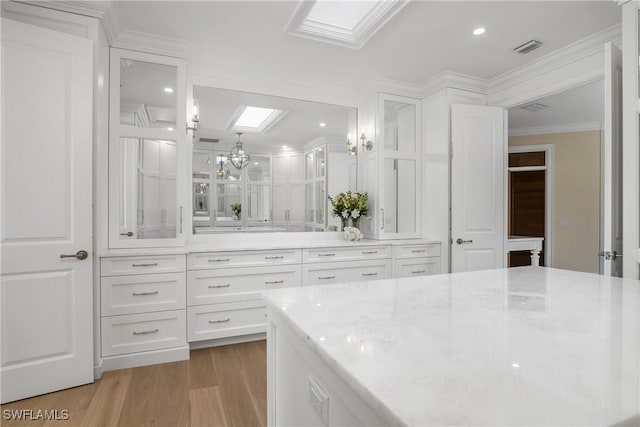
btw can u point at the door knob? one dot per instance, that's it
(79, 255)
(128, 234)
(460, 241)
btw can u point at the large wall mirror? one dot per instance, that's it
(263, 163)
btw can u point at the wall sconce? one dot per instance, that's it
(195, 118)
(366, 145)
(352, 149)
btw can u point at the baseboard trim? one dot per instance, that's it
(97, 371)
(145, 358)
(227, 341)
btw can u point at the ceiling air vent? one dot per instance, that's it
(212, 140)
(528, 46)
(534, 107)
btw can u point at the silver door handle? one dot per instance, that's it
(460, 241)
(78, 255)
(610, 256)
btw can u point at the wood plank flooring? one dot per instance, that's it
(218, 386)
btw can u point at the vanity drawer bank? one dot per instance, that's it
(512, 347)
(142, 308)
(416, 260)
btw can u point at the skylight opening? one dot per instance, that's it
(256, 119)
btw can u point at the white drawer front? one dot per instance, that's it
(344, 254)
(416, 251)
(142, 293)
(119, 266)
(239, 284)
(197, 261)
(352, 271)
(416, 267)
(143, 332)
(224, 320)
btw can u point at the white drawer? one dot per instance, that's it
(198, 261)
(416, 267)
(349, 271)
(132, 333)
(208, 322)
(142, 293)
(239, 284)
(416, 251)
(119, 266)
(344, 254)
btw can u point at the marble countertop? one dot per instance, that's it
(523, 346)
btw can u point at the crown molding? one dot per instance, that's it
(559, 58)
(450, 79)
(355, 38)
(564, 128)
(151, 43)
(94, 9)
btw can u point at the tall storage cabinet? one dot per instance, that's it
(394, 167)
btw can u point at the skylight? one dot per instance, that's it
(345, 23)
(256, 119)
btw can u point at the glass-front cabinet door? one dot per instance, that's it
(398, 136)
(147, 152)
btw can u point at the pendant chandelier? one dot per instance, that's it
(238, 157)
(222, 172)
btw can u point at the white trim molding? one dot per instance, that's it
(564, 128)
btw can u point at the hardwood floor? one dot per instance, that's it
(218, 386)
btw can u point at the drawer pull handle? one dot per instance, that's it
(417, 251)
(219, 321)
(220, 260)
(274, 257)
(326, 254)
(369, 252)
(274, 282)
(153, 331)
(219, 286)
(147, 264)
(326, 277)
(418, 271)
(369, 274)
(140, 294)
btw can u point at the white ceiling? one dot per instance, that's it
(422, 40)
(580, 107)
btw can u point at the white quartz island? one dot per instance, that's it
(524, 346)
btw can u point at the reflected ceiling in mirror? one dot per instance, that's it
(290, 122)
(298, 155)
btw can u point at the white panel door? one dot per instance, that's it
(46, 301)
(477, 187)
(611, 249)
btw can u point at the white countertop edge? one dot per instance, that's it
(202, 248)
(363, 392)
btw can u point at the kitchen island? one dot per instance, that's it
(521, 346)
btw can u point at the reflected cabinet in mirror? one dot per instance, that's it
(264, 163)
(146, 172)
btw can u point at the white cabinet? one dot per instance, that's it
(346, 264)
(147, 150)
(288, 191)
(392, 171)
(223, 290)
(143, 315)
(416, 260)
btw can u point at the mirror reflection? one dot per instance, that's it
(264, 163)
(147, 94)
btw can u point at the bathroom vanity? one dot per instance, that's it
(520, 346)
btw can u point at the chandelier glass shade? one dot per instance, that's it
(238, 157)
(222, 171)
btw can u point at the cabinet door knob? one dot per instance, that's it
(78, 255)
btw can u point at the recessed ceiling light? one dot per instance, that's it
(323, 124)
(168, 89)
(169, 128)
(478, 31)
(284, 147)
